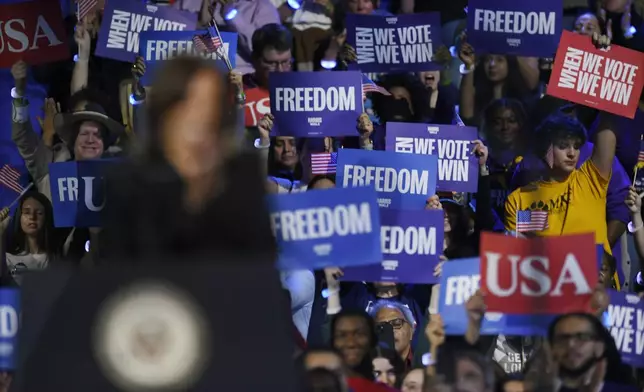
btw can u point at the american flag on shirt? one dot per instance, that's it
(531, 221)
(85, 7)
(10, 178)
(206, 43)
(324, 163)
(369, 86)
(640, 156)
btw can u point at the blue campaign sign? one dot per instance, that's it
(324, 228)
(458, 168)
(78, 192)
(459, 281)
(315, 104)
(9, 325)
(513, 27)
(412, 242)
(124, 20)
(403, 181)
(626, 325)
(157, 46)
(401, 43)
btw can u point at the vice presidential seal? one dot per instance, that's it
(151, 335)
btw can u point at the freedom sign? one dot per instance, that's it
(626, 325)
(124, 20)
(9, 325)
(318, 104)
(78, 192)
(458, 168)
(323, 228)
(403, 181)
(606, 79)
(515, 27)
(32, 31)
(256, 106)
(459, 280)
(411, 243)
(401, 43)
(542, 275)
(158, 46)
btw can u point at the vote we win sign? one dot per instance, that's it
(608, 79)
(543, 275)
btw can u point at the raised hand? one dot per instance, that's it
(365, 125)
(138, 68)
(51, 109)
(83, 40)
(264, 125)
(435, 330)
(4, 214)
(19, 73)
(475, 307)
(433, 203)
(466, 52)
(438, 270)
(634, 201)
(481, 151)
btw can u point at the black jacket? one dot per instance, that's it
(145, 218)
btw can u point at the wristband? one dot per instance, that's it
(259, 146)
(14, 94)
(464, 71)
(134, 101)
(632, 229)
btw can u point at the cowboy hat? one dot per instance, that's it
(65, 123)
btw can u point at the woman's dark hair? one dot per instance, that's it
(458, 236)
(395, 360)
(47, 237)
(321, 380)
(275, 169)
(560, 125)
(417, 92)
(448, 367)
(271, 36)
(318, 178)
(170, 87)
(514, 85)
(365, 368)
(492, 110)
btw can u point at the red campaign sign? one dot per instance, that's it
(32, 31)
(257, 105)
(542, 275)
(606, 79)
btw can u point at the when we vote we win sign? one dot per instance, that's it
(452, 144)
(394, 43)
(607, 79)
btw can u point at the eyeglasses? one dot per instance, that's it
(395, 323)
(581, 337)
(275, 65)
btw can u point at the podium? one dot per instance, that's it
(219, 325)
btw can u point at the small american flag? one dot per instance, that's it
(640, 156)
(85, 7)
(324, 163)
(368, 86)
(10, 178)
(531, 221)
(206, 43)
